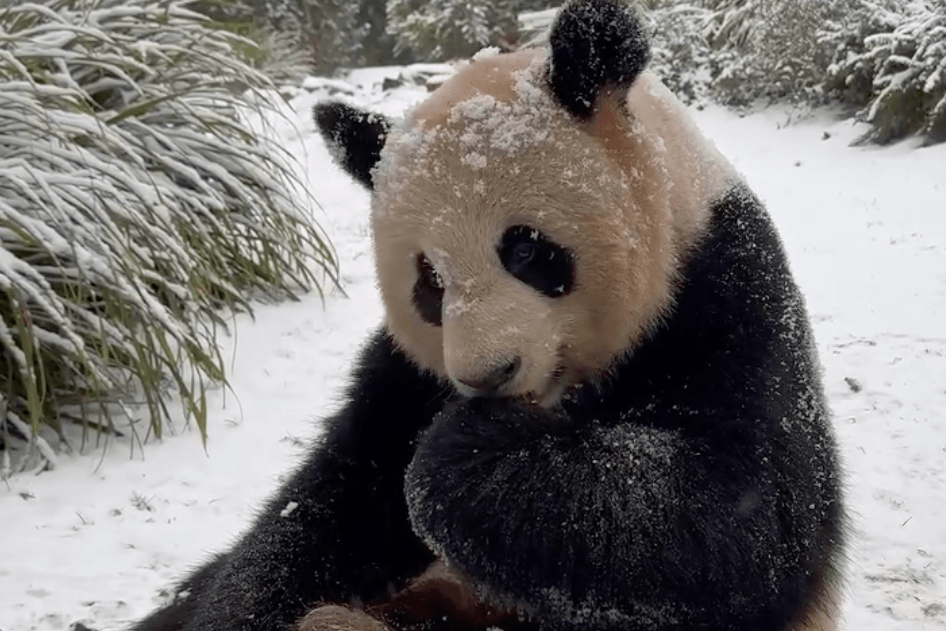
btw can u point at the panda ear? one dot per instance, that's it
(597, 47)
(354, 137)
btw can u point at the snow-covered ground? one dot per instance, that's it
(98, 538)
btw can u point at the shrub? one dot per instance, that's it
(890, 61)
(328, 34)
(886, 58)
(328, 28)
(135, 201)
(681, 56)
(770, 49)
(448, 29)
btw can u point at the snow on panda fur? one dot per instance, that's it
(595, 401)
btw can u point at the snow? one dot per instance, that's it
(486, 53)
(97, 539)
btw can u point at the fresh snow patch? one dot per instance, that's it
(486, 53)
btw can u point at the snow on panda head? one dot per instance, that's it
(530, 216)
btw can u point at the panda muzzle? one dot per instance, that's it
(491, 381)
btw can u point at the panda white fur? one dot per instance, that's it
(594, 402)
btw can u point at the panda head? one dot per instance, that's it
(530, 216)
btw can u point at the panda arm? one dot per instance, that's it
(337, 530)
(602, 526)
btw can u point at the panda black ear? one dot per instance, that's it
(354, 137)
(596, 46)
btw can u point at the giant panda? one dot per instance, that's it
(594, 402)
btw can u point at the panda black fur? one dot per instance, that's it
(687, 479)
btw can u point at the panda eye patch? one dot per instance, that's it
(428, 292)
(537, 261)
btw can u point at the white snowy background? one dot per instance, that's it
(97, 539)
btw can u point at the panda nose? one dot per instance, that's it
(489, 383)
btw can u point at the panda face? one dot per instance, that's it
(535, 261)
(525, 240)
(512, 256)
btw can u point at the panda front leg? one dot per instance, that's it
(596, 525)
(337, 531)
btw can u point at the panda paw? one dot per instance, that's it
(457, 486)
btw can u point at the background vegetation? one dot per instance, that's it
(136, 202)
(884, 60)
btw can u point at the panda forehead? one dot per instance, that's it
(508, 78)
(447, 191)
(490, 126)
(498, 106)
(513, 156)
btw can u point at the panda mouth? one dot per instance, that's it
(546, 395)
(554, 389)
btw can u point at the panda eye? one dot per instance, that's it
(431, 275)
(428, 292)
(523, 253)
(537, 261)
